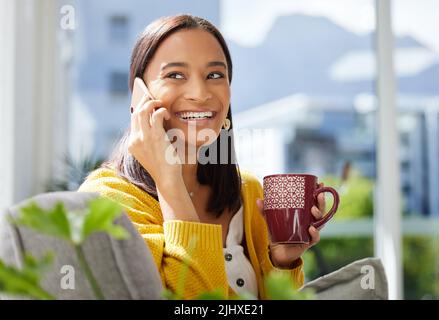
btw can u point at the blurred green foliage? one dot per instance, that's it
(356, 196)
(25, 281)
(278, 285)
(337, 253)
(75, 173)
(421, 267)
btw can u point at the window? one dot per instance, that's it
(119, 29)
(416, 70)
(118, 83)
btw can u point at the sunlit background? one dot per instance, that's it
(304, 90)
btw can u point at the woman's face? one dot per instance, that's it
(188, 72)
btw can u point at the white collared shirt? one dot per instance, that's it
(240, 273)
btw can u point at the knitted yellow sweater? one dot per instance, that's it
(169, 241)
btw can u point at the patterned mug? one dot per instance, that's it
(288, 199)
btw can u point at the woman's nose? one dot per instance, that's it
(197, 90)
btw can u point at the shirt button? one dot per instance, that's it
(240, 282)
(228, 257)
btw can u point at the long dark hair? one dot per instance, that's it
(224, 179)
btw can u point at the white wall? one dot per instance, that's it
(29, 97)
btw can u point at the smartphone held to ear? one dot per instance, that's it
(139, 90)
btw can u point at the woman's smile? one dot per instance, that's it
(199, 118)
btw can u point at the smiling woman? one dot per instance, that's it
(186, 66)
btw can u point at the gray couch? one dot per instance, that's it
(125, 268)
(364, 279)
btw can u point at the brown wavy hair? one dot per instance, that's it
(224, 179)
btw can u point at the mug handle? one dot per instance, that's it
(320, 223)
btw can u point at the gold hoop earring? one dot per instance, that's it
(226, 124)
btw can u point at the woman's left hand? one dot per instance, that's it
(284, 255)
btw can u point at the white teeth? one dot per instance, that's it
(196, 115)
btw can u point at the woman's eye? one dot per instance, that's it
(175, 75)
(215, 75)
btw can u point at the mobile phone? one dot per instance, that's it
(139, 90)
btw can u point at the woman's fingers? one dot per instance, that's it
(321, 202)
(142, 114)
(315, 236)
(158, 116)
(134, 118)
(316, 213)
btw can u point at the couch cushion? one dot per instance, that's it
(361, 280)
(124, 269)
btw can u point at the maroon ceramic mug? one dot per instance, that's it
(288, 199)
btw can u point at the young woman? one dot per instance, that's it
(208, 215)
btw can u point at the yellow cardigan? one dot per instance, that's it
(169, 241)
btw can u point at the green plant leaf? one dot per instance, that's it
(279, 286)
(50, 222)
(25, 281)
(169, 294)
(212, 295)
(306, 294)
(100, 218)
(76, 221)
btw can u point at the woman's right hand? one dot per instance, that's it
(149, 143)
